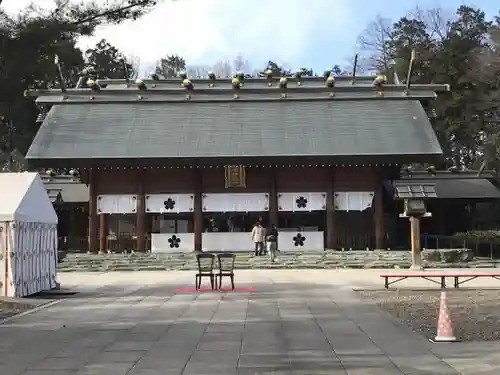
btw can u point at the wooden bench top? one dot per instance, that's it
(478, 274)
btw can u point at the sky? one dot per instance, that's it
(295, 33)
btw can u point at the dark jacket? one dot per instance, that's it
(272, 235)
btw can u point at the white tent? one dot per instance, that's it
(28, 235)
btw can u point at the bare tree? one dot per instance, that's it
(375, 41)
(197, 71)
(135, 64)
(223, 69)
(437, 20)
(240, 64)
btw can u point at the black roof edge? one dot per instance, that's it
(139, 162)
(446, 174)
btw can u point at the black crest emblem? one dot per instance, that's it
(299, 240)
(174, 242)
(301, 202)
(169, 204)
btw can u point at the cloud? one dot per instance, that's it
(204, 31)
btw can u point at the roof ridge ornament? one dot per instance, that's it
(188, 86)
(213, 78)
(282, 85)
(354, 67)
(57, 62)
(269, 76)
(236, 86)
(379, 82)
(330, 83)
(94, 85)
(413, 57)
(140, 84)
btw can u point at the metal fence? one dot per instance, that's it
(482, 247)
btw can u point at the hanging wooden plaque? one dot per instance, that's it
(235, 176)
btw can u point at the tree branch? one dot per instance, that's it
(111, 12)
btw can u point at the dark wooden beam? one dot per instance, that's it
(92, 229)
(141, 213)
(198, 208)
(331, 230)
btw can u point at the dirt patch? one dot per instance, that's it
(475, 313)
(8, 309)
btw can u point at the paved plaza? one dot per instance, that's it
(300, 322)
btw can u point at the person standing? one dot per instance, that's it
(258, 237)
(272, 242)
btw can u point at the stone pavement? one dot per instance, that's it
(300, 322)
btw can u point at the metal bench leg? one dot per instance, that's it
(386, 282)
(457, 285)
(443, 282)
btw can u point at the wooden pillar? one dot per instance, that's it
(198, 208)
(416, 261)
(378, 216)
(273, 198)
(331, 239)
(103, 233)
(92, 232)
(140, 228)
(442, 216)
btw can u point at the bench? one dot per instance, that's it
(438, 278)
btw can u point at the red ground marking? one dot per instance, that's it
(204, 290)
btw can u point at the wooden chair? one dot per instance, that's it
(206, 265)
(226, 267)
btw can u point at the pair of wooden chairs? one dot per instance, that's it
(207, 263)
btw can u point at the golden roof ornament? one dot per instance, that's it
(140, 84)
(236, 83)
(283, 83)
(94, 85)
(187, 84)
(330, 82)
(380, 81)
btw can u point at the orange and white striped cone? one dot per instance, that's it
(444, 328)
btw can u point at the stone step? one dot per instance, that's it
(187, 261)
(287, 260)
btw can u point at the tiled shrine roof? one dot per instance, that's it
(215, 120)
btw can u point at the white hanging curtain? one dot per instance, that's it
(117, 204)
(169, 203)
(353, 200)
(235, 202)
(307, 202)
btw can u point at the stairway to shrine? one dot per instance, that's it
(187, 261)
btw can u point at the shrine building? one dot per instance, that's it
(183, 165)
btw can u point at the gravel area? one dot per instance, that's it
(475, 313)
(8, 309)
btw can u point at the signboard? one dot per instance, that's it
(235, 176)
